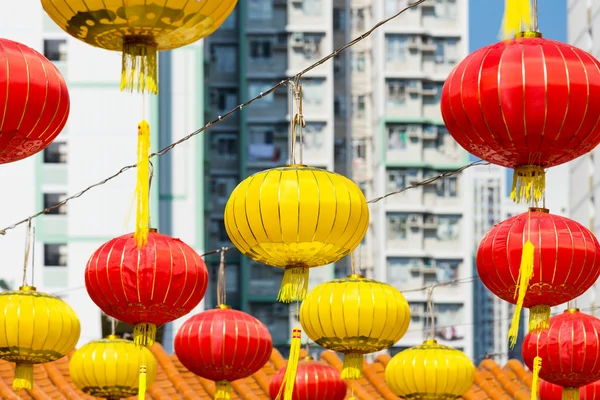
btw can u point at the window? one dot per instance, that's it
(451, 51)
(396, 226)
(255, 88)
(395, 47)
(447, 270)
(447, 187)
(218, 231)
(261, 49)
(358, 61)
(359, 148)
(448, 227)
(224, 99)
(446, 9)
(55, 255)
(310, 7)
(261, 135)
(55, 49)
(224, 57)
(439, 51)
(396, 137)
(56, 153)
(260, 10)
(313, 135)
(230, 22)
(339, 106)
(396, 180)
(339, 19)
(359, 106)
(310, 45)
(51, 199)
(399, 270)
(222, 186)
(396, 92)
(394, 6)
(225, 145)
(313, 91)
(357, 17)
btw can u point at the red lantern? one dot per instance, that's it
(223, 345)
(550, 391)
(526, 103)
(568, 350)
(314, 381)
(35, 101)
(562, 262)
(149, 286)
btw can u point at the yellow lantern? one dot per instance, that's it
(430, 371)
(109, 368)
(35, 328)
(296, 217)
(355, 316)
(138, 29)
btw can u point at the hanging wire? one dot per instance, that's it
(431, 312)
(222, 279)
(33, 256)
(27, 249)
(113, 326)
(535, 16)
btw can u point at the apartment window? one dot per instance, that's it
(260, 10)
(394, 6)
(51, 199)
(218, 230)
(255, 88)
(359, 106)
(224, 57)
(313, 91)
(396, 137)
(338, 64)
(396, 180)
(55, 255)
(432, 93)
(55, 49)
(446, 9)
(439, 52)
(56, 153)
(261, 135)
(225, 144)
(310, 8)
(339, 106)
(396, 48)
(448, 227)
(358, 21)
(261, 49)
(339, 19)
(447, 187)
(397, 226)
(222, 186)
(359, 61)
(399, 270)
(359, 148)
(224, 99)
(396, 93)
(308, 44)
(451, 51)
(447, 270)
(231, 21)
(313, 135)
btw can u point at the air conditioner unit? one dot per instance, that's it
(297, 39)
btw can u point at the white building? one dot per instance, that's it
(99, 139)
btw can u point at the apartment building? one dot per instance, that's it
(98, 140)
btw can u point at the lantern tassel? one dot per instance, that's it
(539, 318)
(352, 368)
(23, 377)
(139, 66)
(517, 18)
(537, 365)
(294, 285)
(529, 183)
(144, 334)
(289, 379)
(142, 383)
(223, 390)
(142, 188)
(570, 394)
(525, 275)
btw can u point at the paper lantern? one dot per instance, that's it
(550, 391)
(146, 287)
(35, 102)
(527, 104)
(139, 29)
(223, 345)
(108, 368)
(430, 371)
(296, 217)
(35, 328)
(568, 351)
(355, 316)
(547, 258)
(314, 381)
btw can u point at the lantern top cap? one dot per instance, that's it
(112, 337)
(296, 166)
(153, 230)
(224, 307)
(27, 288)
(356, 276)
(539, 210)
(430, 342)
(572, 310)
(528, 35)
(308, 358)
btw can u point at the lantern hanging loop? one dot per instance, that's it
(534, 19)
(431, 312)
(297, 121)
(222, 279)
(113, 326)
(150, 176)
(27, 251)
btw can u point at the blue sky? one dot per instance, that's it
(485, 19)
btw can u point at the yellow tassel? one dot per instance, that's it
(539, 318)
(223, 390)
(517, 18)
(139, 66)
(142, 188)
(23, 377)
(144, 334)
(142, 383)
(525, 275)
(529, 183)
(570, 394)
(294, 285)
(353, 363)
(289, 379)
(537, 365)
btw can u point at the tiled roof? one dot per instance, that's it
(52, 381)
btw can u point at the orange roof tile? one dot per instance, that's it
(175, 382)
